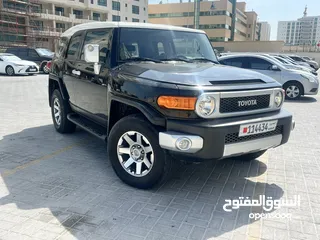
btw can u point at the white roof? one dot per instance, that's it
(95, 25)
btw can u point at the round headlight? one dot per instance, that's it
(205, 106)
(278, 98)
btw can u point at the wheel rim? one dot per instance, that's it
(57, 111)
(10, 71)
(292, 91)
(135, 154)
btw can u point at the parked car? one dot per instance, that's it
(308, 58)
(299, 59)
(292, 65)
(295, 82)
(12, 65)
(38, 55)
(168, 96)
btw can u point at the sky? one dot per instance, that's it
(273, 11)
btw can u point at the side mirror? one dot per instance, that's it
(92, 55)
(275, 68)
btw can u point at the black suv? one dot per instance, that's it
(156, 93)
(38, 55)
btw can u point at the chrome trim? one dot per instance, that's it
(219, 95)
(234, 149)
(167, 140)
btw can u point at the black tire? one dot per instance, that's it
(288, 86)
(249, 156)
(162, 164)
(10, 71)
(41, 68)
(65, 126)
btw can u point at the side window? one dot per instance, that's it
(259, 64)
(32, 53)
(101, 37)
(235, 62)
(74, 46)
(22, 53)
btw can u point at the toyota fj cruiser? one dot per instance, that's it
(156, 93)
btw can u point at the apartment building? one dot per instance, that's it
(40, 22)
(303, 31)
(265, 31)
(223, 20)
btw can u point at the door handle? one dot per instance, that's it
(76, 72)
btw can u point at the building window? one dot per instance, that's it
(249, 25)
(59, 11)
(96, 16)
(116, 6)
(78, 13)
(126, 18)
(135, 20)
(249, 35)
(126, 5)
(144, 21)
(115, 18)
(135, 9)
(102, 3)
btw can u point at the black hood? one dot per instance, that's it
(192, 74)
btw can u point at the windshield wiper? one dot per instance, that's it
(205, 60)
(137, 59)
(176, 59)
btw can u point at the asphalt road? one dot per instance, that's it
(55, 186)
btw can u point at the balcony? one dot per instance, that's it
(64, 17)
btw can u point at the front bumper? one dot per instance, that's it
(312, 88)
(208, 137)
(26, 69)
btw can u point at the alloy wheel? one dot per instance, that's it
(135, 153)
(10, 71)
(292, 91)
(57, 111)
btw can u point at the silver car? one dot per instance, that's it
(291, 65)
(299, 59)
(295, 82)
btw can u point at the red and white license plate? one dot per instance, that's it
(256, 128)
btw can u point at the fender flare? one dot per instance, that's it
(152, 115)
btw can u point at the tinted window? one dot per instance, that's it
(258, 64)
(74, 47)
(22, 53)
(297, 59)
(32, 53)
(101, 37)
(235, 62)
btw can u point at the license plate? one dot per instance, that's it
(256, 128)
(32, 70)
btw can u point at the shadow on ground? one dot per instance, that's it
(66, 181)
(304, 99)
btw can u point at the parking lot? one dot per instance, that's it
(55, 186)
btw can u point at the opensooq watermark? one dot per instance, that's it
(267, 204)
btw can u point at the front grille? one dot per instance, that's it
(234, 137)
(229, 105)
(29, 69)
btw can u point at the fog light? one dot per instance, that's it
(183, 144)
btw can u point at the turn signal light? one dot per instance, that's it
(180, 103)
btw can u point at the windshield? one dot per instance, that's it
(10, 58)
(164, 45)
(44, 52)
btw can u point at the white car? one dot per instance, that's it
(294, 82)
(12, 65)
